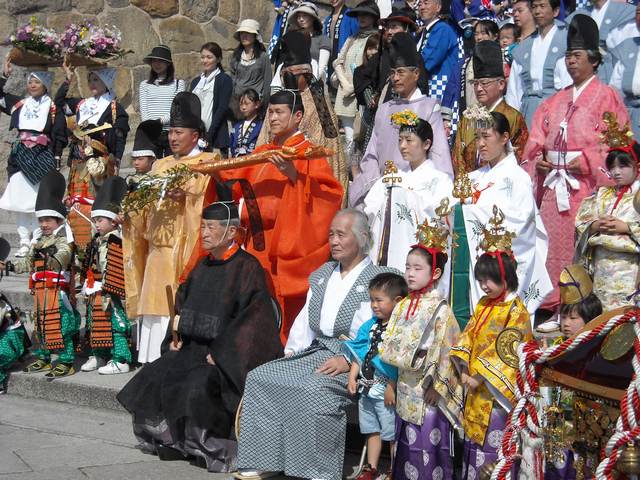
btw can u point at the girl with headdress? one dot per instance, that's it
(421, 331)
(489, 380)
(502, 182)
(608, 224)
(36, 151)
(95, 155)
(415, 194)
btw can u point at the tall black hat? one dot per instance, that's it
(583, 33)
(403, 51)
(296, 48)
(50, 194)
(185, 111)
(487, 60)
(147, 137)
(109, 198)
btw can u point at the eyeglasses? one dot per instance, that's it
(483, 83)
(401, 72)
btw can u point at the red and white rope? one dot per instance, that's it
(523, 424)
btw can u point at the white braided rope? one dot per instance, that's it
(527, 365)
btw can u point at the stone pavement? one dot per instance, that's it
(50, 440)
(47, 440)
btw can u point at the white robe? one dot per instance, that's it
(301, 335)
(415, 198)
(509, 187)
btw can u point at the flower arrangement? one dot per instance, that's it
(481, 115)
(405, 118)
(36, 38)
(153, 188)
(92, 41)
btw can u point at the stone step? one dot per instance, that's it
(88, 389)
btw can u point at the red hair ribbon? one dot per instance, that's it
(628, 149)
(503, 277)
(415, 294)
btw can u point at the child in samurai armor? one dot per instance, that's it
(608, 225)
(104, 287)
(14, 340)
(421, 332)
(372, 378)
(579, 305)
(49, 261)
(489, 374)
(143, 153)
(96, 147)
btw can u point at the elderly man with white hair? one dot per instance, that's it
(294, 409)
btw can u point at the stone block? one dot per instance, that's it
(220, 31)
(229, 10)
(181, 34)
(59, 21)
(137, 32)
(201, 11)
(157, 8)
(16, 7)
(139, 74)
(89, 6)
(118, 3)
(263, 12)
(187, 66)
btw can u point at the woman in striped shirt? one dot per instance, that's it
(156, 93)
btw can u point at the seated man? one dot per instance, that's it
(294, 409)
(184, 403)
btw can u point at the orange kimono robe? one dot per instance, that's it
(295, 218)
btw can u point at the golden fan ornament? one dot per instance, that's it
(507, 346)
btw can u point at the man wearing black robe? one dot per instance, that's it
(184, 403)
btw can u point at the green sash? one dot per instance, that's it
(460, 288)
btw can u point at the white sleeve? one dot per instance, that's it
(363, 314)
(300, 335)
(618, 35)
(142, 94)
(616, 76)
(515, 90)
(323, 62)
(561, 77)
(276, 82)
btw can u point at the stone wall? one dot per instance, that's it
(184, 25)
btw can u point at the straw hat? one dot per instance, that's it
(248, 25)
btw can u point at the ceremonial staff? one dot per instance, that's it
(390, 178)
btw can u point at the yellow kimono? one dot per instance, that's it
(614, 259)
(477, 351)
(159, 242)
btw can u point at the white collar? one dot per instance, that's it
(603, 8)
(62, 225)
(416, 95)
(196, 151)
(493, 107)
(431, 24)
(549, 34)
(355, 271)
(578, 90)
(428, 163)
(211, 76)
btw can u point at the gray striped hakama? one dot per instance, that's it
(293, 419)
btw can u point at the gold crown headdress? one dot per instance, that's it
(481, 115)
(496, 237)
(614, 136)
(405, 119)
(435, 235)
(575, 284)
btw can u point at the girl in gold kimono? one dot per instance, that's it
(421, 331)
(490, 383)
(608, 225)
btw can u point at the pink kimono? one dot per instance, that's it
(559, 192)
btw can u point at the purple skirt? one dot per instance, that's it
(475, 456)
(424, 451)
